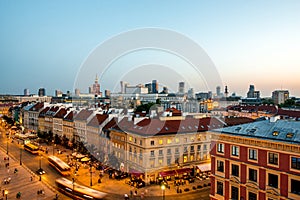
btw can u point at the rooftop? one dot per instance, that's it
(280, 130)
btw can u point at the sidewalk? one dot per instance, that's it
(21, 181)
(113, 186)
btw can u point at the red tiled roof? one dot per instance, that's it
(69, 116)
(61, 113)
(262, 108)
(157, 126)
(289, 113)
(37, 106)
(111, 123)
(97, 120)
(43, 112)
(231, 121)
(83, 115)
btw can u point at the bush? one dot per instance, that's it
(199, 186)
(194, 188)
(186, 189)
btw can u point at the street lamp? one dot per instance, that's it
(6, 193)
(91, 173)
(21, 155)
(163, 188)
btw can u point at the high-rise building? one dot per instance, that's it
(90, 90)
(107, 93)
(77, 92)
(226, 91)
(280, 96)
(154, 86)
(96, 87)
(218, 91)
(42, 92)
(191, 94)
(252, 93)
(26, 92)
(149, 86)
(181, 88)
(58, 93)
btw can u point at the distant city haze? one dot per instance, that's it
(44, 43)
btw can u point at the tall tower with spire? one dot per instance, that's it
(226, 91)
(96, 87)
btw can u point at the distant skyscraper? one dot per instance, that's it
(107, 93)
(90, 90)
(218, 91)
(181, 88)
(58, 93)
(26, 92)
(252, 93)
(42, 92)
(77, 92)
(154, 86)
(226, 91)
(191, 94)
(149, 86)
(280, 96)
(96, 87)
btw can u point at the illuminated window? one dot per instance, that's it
(177, 140)
(160, 142)
(169, 141)
(192, 157)
(185, 158)
(130, 139)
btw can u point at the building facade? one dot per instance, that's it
(259, 160)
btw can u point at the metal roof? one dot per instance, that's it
(281, 130)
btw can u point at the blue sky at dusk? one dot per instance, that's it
(44, 43)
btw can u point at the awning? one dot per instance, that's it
(204, 167)
(182, 171)
(135, 172)
(167, 173)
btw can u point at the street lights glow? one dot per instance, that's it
(163, 188)
(6, 193)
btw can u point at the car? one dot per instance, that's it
(40, 171)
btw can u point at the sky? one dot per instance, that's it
(46, 43)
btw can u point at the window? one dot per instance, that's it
(151, 153)
(177, 140)
(192, 148)
(252, 196)
(235, 150)
(198, 147)
(234, 193)
(130, 139)
(168, 151)
(176, 150)
(141, 142)
(185, 159)
(185, 140)
(177, 159)
(168, 161)
(295, 163)
(253, 175)
(134, 140)
(185, 149)
(160, 152)
(235, 170)
(160, 141)
(252, 154)
(152, 142)
(152, 162)
(220, 148)
(273, 158)
(219, 188)
(295, 186)
(220, 166)
(204, 147)
(169, 141)
(130, 149)
(273, 180)
(160, 161)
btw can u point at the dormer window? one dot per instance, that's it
(275, 133)
(289, 135)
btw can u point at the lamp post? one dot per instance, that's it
(163, 188)
(41, 171)
(91, 173)
(6, 193)
(21, 155)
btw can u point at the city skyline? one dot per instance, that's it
(45, 43)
